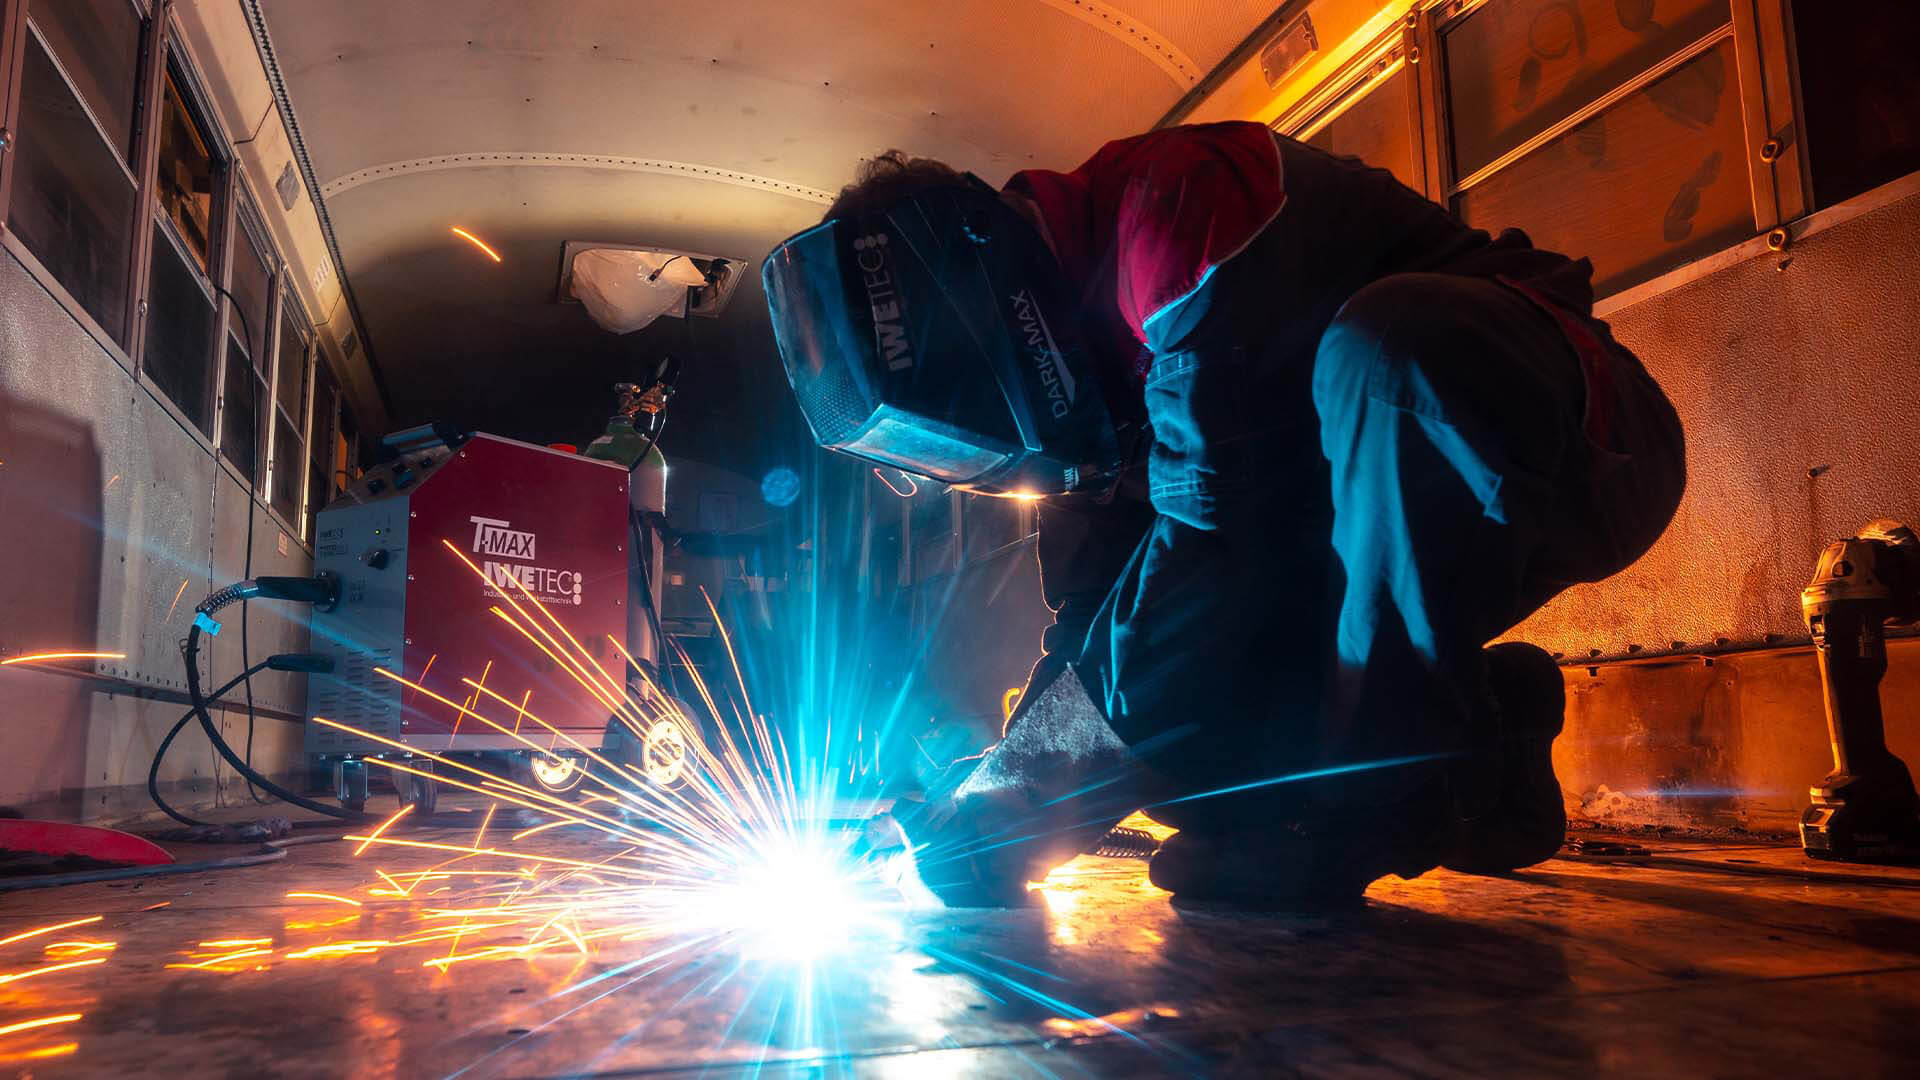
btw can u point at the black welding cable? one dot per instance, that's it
(641, 536)
(213, 735)
(246, 568)
(267, 853)
(191, 654)
(153, 771)
(669, 374)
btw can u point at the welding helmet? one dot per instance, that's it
(933, 334)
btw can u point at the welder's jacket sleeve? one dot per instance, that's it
(1140, 227)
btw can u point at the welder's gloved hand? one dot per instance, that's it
(1049, 791)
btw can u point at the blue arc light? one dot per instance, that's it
(780, 486)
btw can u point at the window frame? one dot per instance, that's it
(1392, 51)
(13, 58)
(286, 305)
(1766, 87)
(243, 226)
(14, 34)
(220, 226)
(235, 214)
(29, 30)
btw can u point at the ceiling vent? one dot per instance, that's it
(627, 286)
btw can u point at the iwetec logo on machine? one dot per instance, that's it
(494, 536)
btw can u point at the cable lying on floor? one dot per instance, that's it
(267, 853)
(309, 662)
(322, 590)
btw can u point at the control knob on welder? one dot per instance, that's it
(377, 558)
(1866, 809)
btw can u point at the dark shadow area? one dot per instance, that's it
(51, 495)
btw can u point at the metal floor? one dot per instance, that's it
(1701, 961)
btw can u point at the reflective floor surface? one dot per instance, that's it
(1696, 961)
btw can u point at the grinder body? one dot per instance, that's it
(1866, 809)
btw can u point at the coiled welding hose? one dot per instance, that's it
(159, 755)
(277, 662)
(309, 590)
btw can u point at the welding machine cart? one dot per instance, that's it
(432, 548)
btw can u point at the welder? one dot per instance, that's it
(1305, 444)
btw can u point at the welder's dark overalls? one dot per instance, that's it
(1380, 440)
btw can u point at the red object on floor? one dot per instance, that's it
(89, 841)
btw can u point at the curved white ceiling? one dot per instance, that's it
(710, 126)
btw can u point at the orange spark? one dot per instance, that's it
(339, 948)
(31, 658)
(384, 826)
(524, 833)
(328, 896)
(43, 1053)
(50, 929)
(225, 958)
(476, 242)
(19, 976)
(177, 593)
(45, 1021)
(423, 675)
(74, 948)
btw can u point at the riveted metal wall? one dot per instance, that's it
(1797, 377)
(114, 523)
(1727, 746)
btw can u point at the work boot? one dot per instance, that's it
(1527, 822)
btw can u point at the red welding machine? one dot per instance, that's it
(427, 547)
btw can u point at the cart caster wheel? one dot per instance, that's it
(420, 792)
(350, 783)
(555, 774)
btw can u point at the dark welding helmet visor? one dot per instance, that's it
(930, 335)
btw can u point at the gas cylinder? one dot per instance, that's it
(624, 443)
(647, 492)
